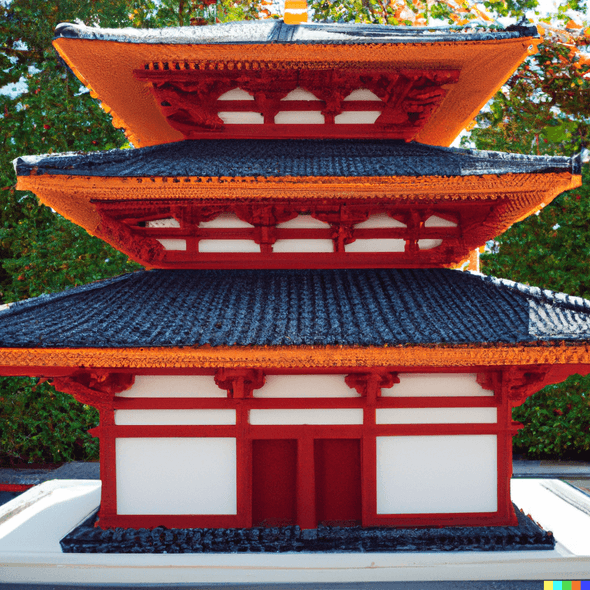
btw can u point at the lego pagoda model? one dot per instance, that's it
(299, 351)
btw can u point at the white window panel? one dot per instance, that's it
(241, 118)
(379, 220)
(435, 221)
(357, 117)
(236, 94)
(437, 415)
(299, 118)
(176, 475)
(228, 246)
(173, 244)
(305, 386)
(429, 244)
(436, 385)
(321, 416)
(174, 386)
(303, 246)
(437, 474)
(363, 94)
(376, 245)
(303, 222)
(226, 221)
(172, 417)
(168, 222)
(300, 94)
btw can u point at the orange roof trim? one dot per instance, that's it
(74, 197)
(484, 66)
(21, 361)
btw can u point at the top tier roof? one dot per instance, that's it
(267, 79)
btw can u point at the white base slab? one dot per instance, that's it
(32, 524)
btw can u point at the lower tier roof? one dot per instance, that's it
(295, 308)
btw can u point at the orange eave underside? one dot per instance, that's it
(33, 361)
(71, 196)
(484, 65)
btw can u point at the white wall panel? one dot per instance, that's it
(436, 474)
(304, 222)
(241, 118)
(228, 246)
(166, 222)
(300, 94)
(305, 386)
(436, 385)
(174, 386)
(429, 244)
(363, 94)
(357, 117)
(303, 246)
(299, 118)
(379, 220)
(176, 476)
(437, 415)
(226, 220)
(236, 94)
(321, 416)
(171, 417)
(173, 244)
(436, 221)
(376, 245)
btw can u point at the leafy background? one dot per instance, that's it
(543, 109)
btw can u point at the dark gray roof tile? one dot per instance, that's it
(293, 308)
(297, 157)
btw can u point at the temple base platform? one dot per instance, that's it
(32, 526)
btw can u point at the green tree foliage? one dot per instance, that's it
(551, 250)
(49, 112)
(41, 425)
(416, 12)
(556, 421)
(545, 109)
(41, 252)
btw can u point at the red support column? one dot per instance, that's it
(108, 467)
(244, 467)
(306, 512)
(369, 450)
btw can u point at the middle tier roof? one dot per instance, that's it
(284, 204)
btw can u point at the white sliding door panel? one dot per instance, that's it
(437, 474)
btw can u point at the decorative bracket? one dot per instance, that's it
(96, 389)
(239, 383)
(522, 382)
(137, 246)
(371, 383)
(490, 380)
(188, 97)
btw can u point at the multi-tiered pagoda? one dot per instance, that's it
(299, 351)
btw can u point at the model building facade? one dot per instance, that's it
(299, 352)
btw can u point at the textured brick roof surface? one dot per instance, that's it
(303, 157)
(294, 307)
